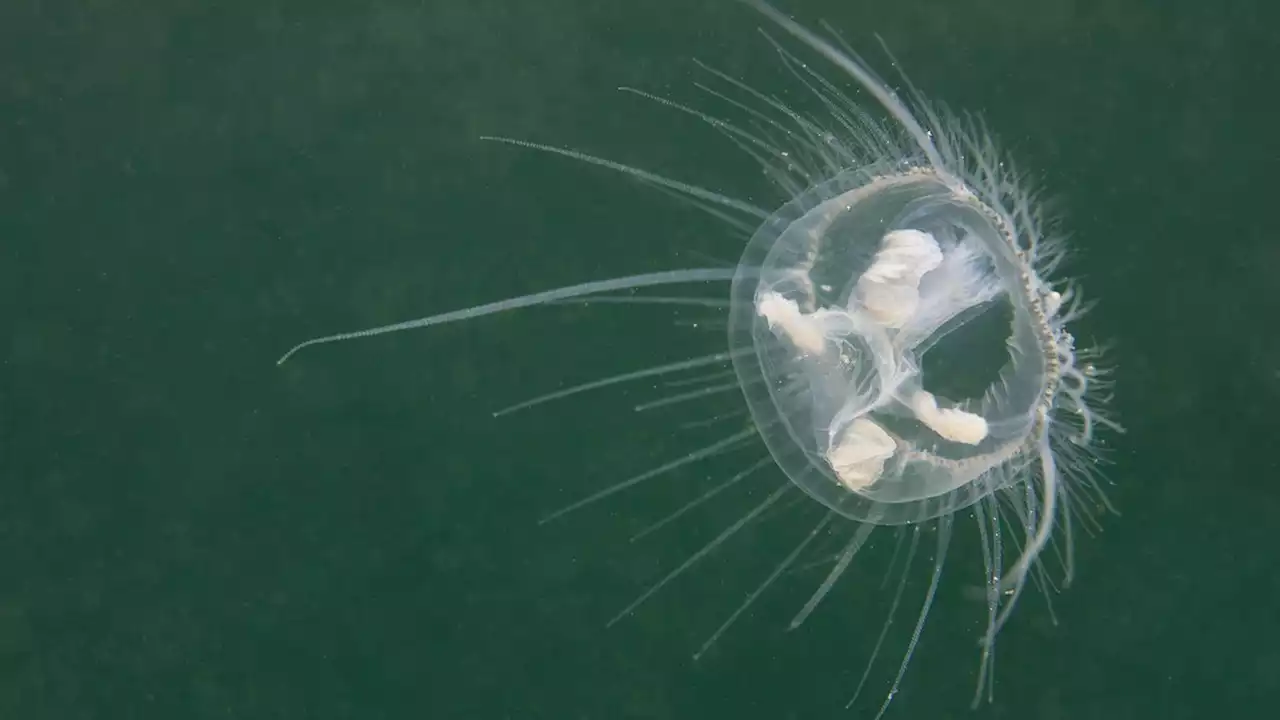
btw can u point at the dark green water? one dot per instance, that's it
(187, 531)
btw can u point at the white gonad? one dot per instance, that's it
(895, 332)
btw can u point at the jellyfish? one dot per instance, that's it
(899, 230)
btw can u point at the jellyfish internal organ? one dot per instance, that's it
(886, 298)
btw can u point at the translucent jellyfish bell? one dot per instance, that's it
(857, 280)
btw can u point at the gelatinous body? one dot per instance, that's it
(859, 320)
